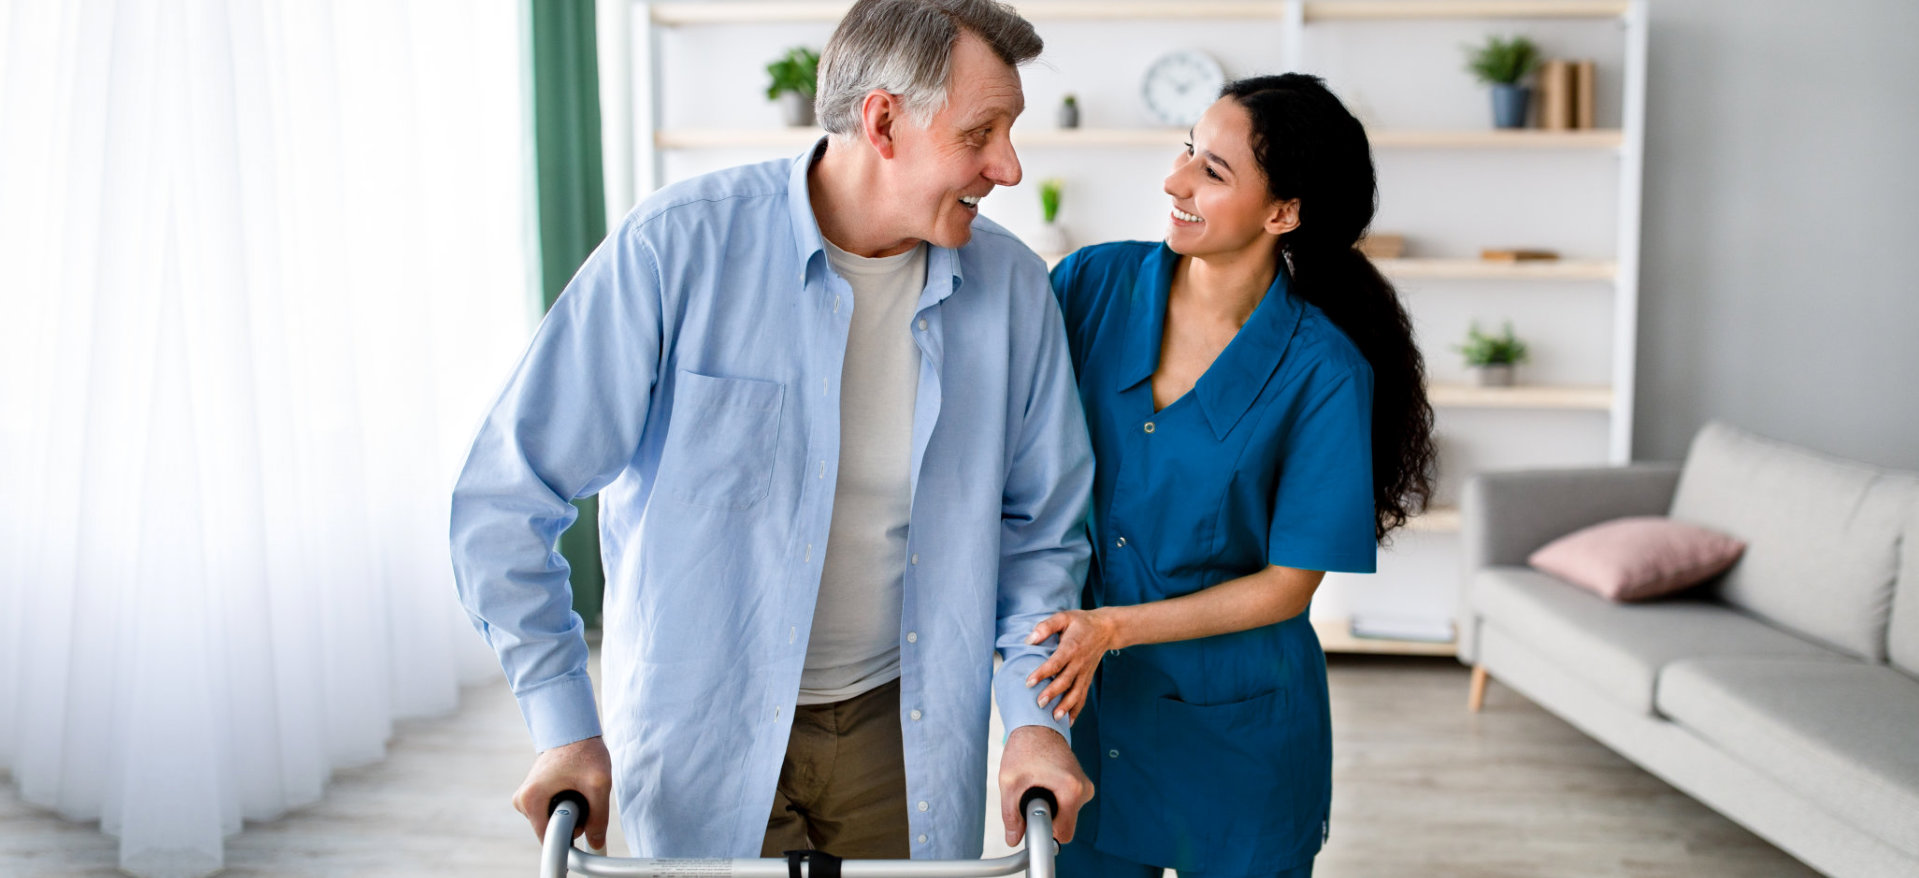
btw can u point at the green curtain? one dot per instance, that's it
(572, 206)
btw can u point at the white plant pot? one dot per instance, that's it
(1493, 376)
(1050, 240)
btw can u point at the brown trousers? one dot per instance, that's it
(842, 787)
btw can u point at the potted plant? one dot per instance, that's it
(1501, 63)
(795, 79)
(1051, 239)
(1069, 112)
(1492, 357)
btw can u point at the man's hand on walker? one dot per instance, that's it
(582, 766)
(1084, 638)
(1037, 756)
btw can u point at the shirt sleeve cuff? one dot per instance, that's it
(1019, 706)
(560, 712)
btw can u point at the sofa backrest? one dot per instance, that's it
(1902, 640)
(1822, 534)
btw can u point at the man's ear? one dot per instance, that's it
(879, 111)
(1284, 217)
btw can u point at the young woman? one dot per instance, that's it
(1259, 417)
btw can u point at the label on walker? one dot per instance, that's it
(688, 869)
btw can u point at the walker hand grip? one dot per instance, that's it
(578, 800)
(566, 811)
(1042, 794)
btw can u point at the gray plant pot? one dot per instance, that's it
(797, 109)
(1493, 376)
(1068, 115)
(1509, 105)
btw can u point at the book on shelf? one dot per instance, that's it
(1556, 95)
(1583, 89)
(1413, 628)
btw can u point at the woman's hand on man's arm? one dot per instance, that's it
(1272, 595)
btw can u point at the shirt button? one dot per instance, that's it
(922, 838)
(916, 559)
(1119, 543)
(1112, 754)
(922, 807)
(912, 637)
(915, 715)
(922, 329)
(1149, 426)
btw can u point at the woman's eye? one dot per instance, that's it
(1189, 148)
(1212, 173)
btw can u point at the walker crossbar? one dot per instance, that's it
(560, 858)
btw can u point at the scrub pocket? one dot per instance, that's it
(721, 443)
(1225, 775)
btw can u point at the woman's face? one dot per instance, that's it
(1220, 201)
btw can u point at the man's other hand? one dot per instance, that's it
(1037, 756)
(582, 766)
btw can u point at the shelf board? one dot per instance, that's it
(684, 13)
(1401, 10)
(1336, 635)
(1522, 397)
(1489, 138)
(796, 138)
(1437, 520)
(1480, 269)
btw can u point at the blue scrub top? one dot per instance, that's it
(1213, 755)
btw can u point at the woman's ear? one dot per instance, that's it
(879, 111)
(1283, 218)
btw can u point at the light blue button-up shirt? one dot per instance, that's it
(690, 375)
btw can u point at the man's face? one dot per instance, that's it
(940, 172)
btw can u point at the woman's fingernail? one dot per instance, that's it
(1059, 714)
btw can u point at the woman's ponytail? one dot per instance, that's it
(1313, 150)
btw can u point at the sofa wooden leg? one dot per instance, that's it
(1477, 698)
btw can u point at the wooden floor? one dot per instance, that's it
(1422, 788)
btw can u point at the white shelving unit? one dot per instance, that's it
(1447, 181)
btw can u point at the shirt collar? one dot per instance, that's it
(808, 242)
(1230, 385)
(799, 208)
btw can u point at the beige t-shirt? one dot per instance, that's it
(855, 645)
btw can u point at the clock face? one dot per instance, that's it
(1180, 85)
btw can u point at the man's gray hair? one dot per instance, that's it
(906, 47)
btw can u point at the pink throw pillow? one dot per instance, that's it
(1639, 558)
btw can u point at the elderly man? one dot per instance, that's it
(830, 414)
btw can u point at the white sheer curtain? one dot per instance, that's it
(262, 265)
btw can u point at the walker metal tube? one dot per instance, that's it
(559, 857)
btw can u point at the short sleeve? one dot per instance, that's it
(1323, 508)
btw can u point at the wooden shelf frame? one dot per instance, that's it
(1560, 397)
(1422, 268)
(1336, 635)
(805, 11)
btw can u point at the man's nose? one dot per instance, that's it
(1002, 166)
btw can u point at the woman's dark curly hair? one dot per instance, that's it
(1312, 149)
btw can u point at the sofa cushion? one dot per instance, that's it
(1843, 734)
(1902, 638)
(1620, 648)
(1822, 534)
(1639, 557)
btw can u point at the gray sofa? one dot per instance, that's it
(1784, 694)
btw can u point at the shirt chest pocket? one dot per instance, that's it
(721, 441)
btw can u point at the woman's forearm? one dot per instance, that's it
(1264, 598)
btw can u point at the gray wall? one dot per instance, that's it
(1780, 285)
